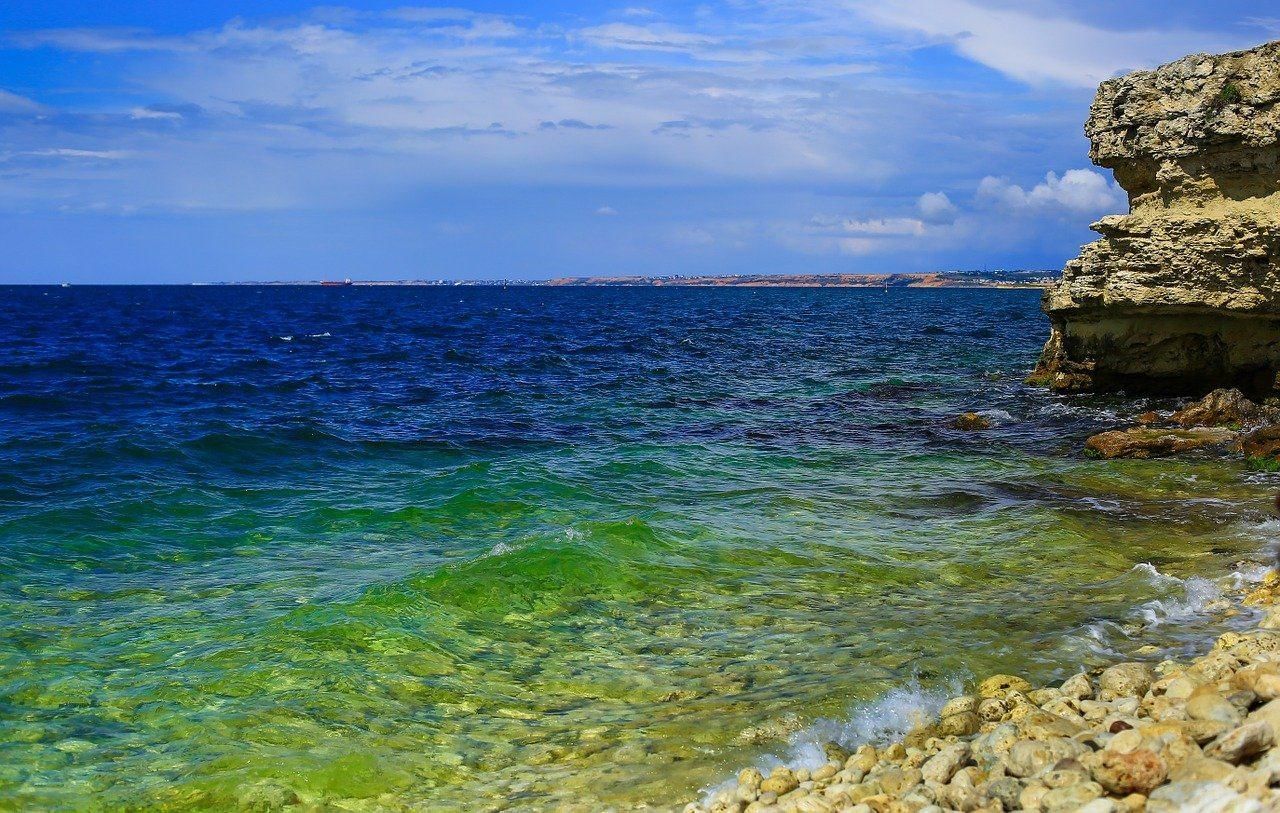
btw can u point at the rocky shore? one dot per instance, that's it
(1200, 736)
(1182, 294)
(1197, 736)
(1223, 421)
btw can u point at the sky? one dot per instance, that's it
(278, 140)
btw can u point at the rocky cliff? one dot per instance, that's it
(1183, 293)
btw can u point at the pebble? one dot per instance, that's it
(1194, 737)
(1241, 743)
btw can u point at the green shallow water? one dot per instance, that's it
(417, 566)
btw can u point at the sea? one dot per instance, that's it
(536, 548)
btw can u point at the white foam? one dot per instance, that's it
(1188, 600)
(1154, 575)
(996, 415)
(1197, 599)
(884, 720)
(1059, 408)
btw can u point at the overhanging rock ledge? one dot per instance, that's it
(1182, 294)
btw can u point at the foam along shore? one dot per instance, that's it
(1201, 736)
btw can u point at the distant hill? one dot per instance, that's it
(944, 279)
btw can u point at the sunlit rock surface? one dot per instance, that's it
(1181, 294)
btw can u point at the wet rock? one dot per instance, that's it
(863, 759)
(1241, 743)
(1125, 680)
(1268, 591)
(1001, 685)
(993, 709)
(1262, 443)
(825, 772)
(834, 752)
(780, 781)
(1222, 407)
(1144, 442)
(991, 747)
(1041, 696)
(1139, 770)
(971, 422)
(959, 725)
(959, 705)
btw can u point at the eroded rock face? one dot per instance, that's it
(1183, 293)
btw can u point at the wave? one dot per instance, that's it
(1189, 601)
(884, 720)
(597, 560)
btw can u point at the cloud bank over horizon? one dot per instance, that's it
(514, 140)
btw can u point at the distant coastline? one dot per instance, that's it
(936, 279)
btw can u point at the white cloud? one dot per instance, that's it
(99, 40)
(607, 211)
(644, 38)
(150, 113)
(936, 208)
(1037, 45)
(13, 103)
(67, 152)
(884, 227)
(1077, 192)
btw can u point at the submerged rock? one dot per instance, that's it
(1182, 294)
(971, 421)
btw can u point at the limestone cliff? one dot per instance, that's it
(1183, 293)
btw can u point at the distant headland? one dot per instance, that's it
(934, 279)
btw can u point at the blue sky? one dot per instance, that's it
(175, 142)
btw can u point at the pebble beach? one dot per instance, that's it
(1196, 735)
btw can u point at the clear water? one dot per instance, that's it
(544, 548)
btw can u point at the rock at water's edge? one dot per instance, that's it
(1183, 293)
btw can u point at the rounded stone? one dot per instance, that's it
(1000, 685)
(1241, 743)
(1125, 680)
(959, 705)
(959, 725)
(1137, 771)
(1078, 687)
(1070, 798)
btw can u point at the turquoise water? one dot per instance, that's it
(392, 549)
